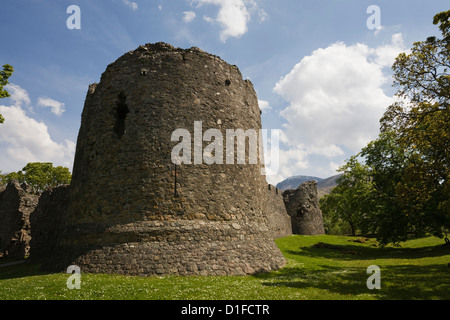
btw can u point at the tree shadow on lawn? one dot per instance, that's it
(21, 270)
(361, 252)
(404, 279)
(397, 282)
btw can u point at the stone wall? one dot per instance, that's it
(46, 222)
(279, 220)
(16, 205)
(302, 205)
(131, 210)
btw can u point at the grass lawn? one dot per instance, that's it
(417, 270)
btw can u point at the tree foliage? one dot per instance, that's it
(420, 128)
(4, 76)
(41, 176)
(351, 200)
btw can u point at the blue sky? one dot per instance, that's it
(321, 75)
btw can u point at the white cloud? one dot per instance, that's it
(23, 139)
(336, 99)
(233, 16)
(290, 160)
(188, 16)
(264, 106)
(56, 106)
(19, 96)
(334, 167)
(385, 55)
(133, 5)
(262, 15)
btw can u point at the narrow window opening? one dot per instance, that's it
(121, 114)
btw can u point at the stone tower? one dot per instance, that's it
(302, 204)
(132, 210)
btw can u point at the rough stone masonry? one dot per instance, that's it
(131, 210)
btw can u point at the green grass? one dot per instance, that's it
(417, 270)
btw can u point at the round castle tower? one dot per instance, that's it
(132, 210)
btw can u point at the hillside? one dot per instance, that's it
(294, 182)
(324, 186)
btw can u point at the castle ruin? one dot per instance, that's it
(131, 209)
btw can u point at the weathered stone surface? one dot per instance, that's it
(16, 205)
(279, 221)
(131, 210)
(46, 222)
(302, 205)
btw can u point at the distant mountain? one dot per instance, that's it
(324, 186)
(328, 182)
(295, 182)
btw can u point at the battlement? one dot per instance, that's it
(274, 189)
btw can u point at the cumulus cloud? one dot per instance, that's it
(264, 106)
(188, 16)
(133, 5)
(23, 139)
(233, 16)
(336, 99)
(291, 160)
(19, 96)
(56, 107)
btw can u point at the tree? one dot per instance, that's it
(387, 161)
(4, 76)
(41, 176)
(352, 199)
(420, 127)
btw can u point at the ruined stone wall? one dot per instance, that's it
(279, 220)
(127, 214)
(16, 205)
(302, 205)
(47, 222)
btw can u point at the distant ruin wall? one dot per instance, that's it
(16, 205)
(302, 205)
(279, 221)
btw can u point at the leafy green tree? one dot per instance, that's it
(420, 127)
(4, 76)
(41, 176)
(387, 160)
(352, 199)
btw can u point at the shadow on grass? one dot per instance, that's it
(397, 282)
(360, 252)
(20, 271)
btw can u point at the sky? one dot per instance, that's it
(321, 69)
